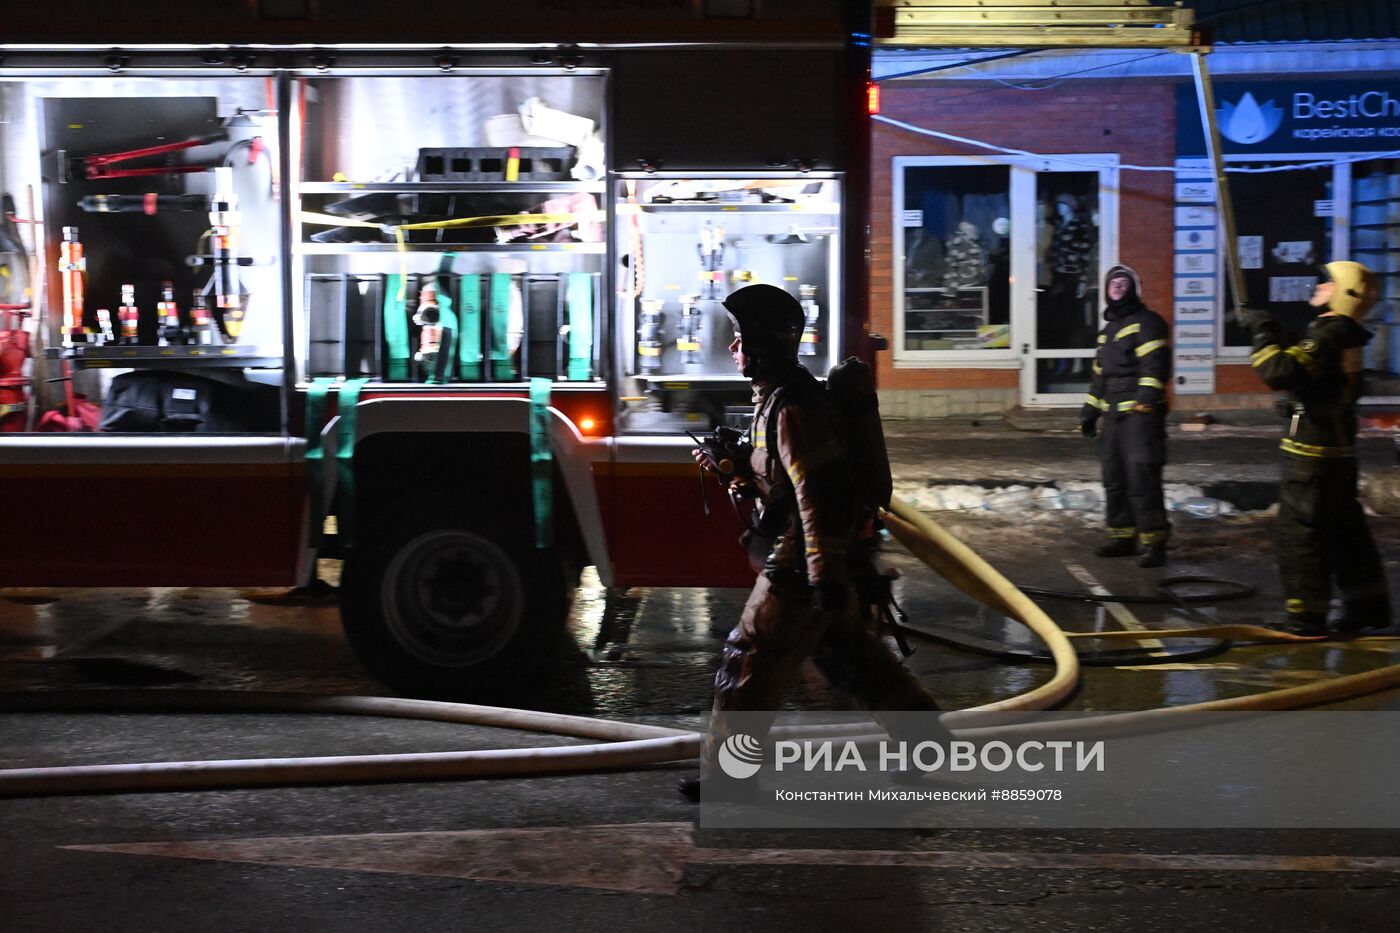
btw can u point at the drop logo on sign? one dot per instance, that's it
(1247, 121)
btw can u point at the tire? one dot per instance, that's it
(451, 613)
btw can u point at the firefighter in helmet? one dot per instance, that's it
(1322, 533)
(803, 604)
(1129, 390)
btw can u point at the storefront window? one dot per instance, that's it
(998, 265)
(1285, 234)
(1375, 239)
(955, 223)
(1288, 231)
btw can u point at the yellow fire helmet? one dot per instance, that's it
(1356, 290)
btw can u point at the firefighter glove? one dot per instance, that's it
(1253, 318)
(1268, 332)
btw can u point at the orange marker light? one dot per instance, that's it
(872, 98)
(586, 425)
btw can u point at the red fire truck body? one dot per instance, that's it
(727, 146)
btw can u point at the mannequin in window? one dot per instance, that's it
(966, 259)
(1072, 240)
(1063, 321)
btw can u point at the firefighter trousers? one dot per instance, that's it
(1322, 538)
(1132, 451)
(779, 630)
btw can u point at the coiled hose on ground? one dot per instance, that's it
(1216, 638)
(624, 746)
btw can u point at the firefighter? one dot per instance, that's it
(803, 604)
(1129, 390)
(1322, 533)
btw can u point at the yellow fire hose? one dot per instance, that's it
(966, 570)
(626, 745)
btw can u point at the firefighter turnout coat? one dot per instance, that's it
(1322, 533)
(783, 623)
(1132, 364)
(1322, 375)
(1129, 389)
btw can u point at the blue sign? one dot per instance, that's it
(1294, 117)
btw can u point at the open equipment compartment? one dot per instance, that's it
(687, 241)
(482, 240)
(151, 246)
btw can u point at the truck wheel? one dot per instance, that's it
(450, 613)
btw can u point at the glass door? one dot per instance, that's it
(1061, 261)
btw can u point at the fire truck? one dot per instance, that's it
(439, 297)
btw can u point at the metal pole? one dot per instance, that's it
(286, 192)
(853, 335)
(1205, 97)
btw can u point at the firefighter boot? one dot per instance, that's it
(1359, 616)
(1310, 624)
(1118, 547)
(1154, 551)
(689, 787)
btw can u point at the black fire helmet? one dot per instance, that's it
(768, 319)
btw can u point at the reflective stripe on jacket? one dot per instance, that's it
(1132, 364)
(1322, 375)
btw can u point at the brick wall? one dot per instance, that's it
(1238, 378)
(1134, 118)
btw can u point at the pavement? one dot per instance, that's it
(1233, 458)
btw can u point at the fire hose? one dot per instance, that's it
(622, 745)
(1218, 638)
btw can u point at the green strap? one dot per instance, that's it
(501, 368)
(469, 337)
(316, 414)
(396, 329)
(346, 404)
(346, 401)
(315, 458)
(541, 461)
(580, 302)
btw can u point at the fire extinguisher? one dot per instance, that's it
(14, 350)
(14, 339)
